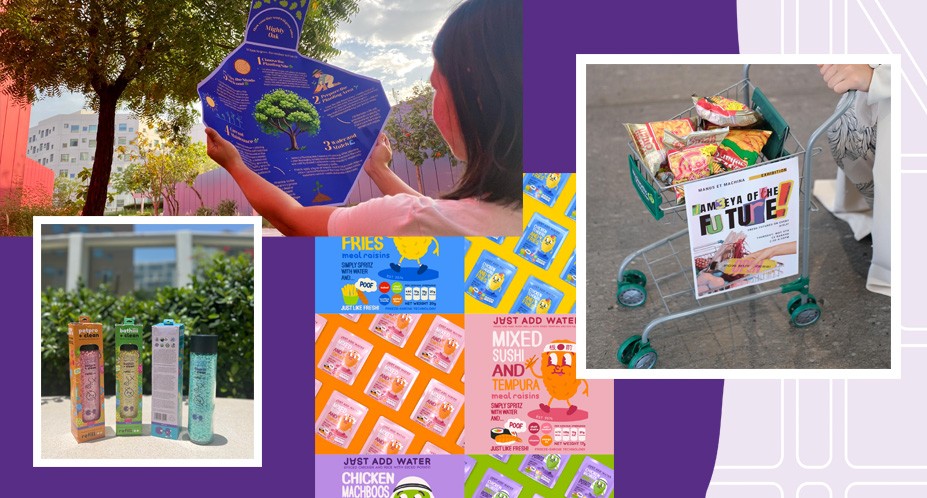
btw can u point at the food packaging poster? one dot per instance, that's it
(498, 269)
(303, 125)
(523, 394)
(411, 393)
(389, 274)
(744, 227)
(543, 474)
(389, 476)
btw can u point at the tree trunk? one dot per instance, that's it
(293, 144)
(95, 203)
(421, 180)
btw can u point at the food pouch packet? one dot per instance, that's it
(692, 163)
(504, 458)
(391, 381)
(568, 274)
(496, 485)
(671, 141)
(430, 449)
(469, 463)
(541, 241)
(571, 209)
(537, 297)
(723, 111)
(593, 479)
(742, 148)
(489, 278)
(460, 440)
(497, 240)
(395, 327)
(351, 316)
(443, 344)
(318, 385)
(648, 139)
(387, 438)
(545, 469)
(340, 419)
(545, 187)
(345, 356)
(320, 322)
(438, 407)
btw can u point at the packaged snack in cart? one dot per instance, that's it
(496, 485)
(723, 111)
(671, 141)
(541, 241)
(394, 327)
(391, 381)
(545, 469)
(387, 438)
(345, 356)
(340, 419)
(742, 148)
(443, 344)
(438, 407)
(537, 297)
(489, 278)
(592, 480)
(648, 139)
(545, 187)
(692, 163)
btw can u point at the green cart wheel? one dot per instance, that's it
(631, 295)
(795, 302)
(634, 277)
(645, 358)
(806, 314)
(628, 349)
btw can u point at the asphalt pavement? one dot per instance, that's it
(854, 329)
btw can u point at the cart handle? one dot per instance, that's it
(806, 194)
(746, 71)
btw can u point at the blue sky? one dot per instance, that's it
(387, 39)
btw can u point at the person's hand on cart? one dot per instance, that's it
(842, 78)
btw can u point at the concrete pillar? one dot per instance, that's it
(78, 262)
(184, 246)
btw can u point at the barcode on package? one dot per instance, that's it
(160, 416)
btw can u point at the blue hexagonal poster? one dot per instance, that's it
(303, 125)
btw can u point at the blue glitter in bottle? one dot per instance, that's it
(202, 391)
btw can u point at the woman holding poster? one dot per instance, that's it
(477, 79)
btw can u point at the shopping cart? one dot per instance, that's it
(660, 200)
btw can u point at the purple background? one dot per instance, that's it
(445, 477)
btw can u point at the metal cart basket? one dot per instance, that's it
(660, 199)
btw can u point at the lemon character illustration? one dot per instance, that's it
(543, 307)
(548, 243)
(495, 282)
(553, 179)
(210, 102)
(413, 248)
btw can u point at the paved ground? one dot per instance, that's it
(854, 331)
(234, 434)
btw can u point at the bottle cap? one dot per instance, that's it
(204, 344)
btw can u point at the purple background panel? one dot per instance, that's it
(556, 31)
(666, 436)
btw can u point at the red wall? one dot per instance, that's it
(21, 178)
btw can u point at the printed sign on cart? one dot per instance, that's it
(389, 274)
(523, 393)
(744, 227)
(303, 125)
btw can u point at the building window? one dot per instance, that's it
(65, 126)
(83, 140)
(72, 175)
(64, 146)
(65, 157)
(122, 127)
(84, 156)
(74, 159)
(62, 172)
(93, 128)
(93, 143)
(122, 140)
(51, 158)
(75, 128)
(131, 129)
(73, 142)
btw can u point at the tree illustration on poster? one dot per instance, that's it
(303, 125)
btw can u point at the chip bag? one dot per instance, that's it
(648, 139)
(723, 111)
(692, 163)
(741, 148)
(672, 141)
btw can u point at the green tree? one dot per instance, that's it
(146, 55)
(67, 194)
(282, 111)
(413, 131)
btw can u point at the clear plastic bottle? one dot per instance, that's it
(202, 391)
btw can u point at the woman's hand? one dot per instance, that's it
(379, 158)
(221, 150)
(844, 77)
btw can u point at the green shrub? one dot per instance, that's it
(205, 211)
(219, 300)
(227, 207)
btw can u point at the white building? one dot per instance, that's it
(67, 143)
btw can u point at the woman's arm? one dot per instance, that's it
(284, 212)
(377, 168)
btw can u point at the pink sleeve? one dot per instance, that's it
(390, 215)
